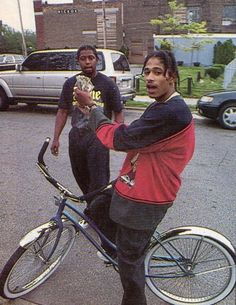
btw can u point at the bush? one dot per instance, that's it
(224, 53)
(221, 66)
(214, 72)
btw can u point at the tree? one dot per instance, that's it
(195, 29)
(171, 24)
(11, 40)
(224, 53)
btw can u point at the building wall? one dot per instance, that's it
(127, 23)
(204, 55)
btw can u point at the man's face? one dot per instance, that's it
(88, 62)
(160, 85)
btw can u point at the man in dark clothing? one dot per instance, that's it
(159, 145)
(89, 157)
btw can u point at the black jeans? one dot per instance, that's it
(89, 160)
(131, 247)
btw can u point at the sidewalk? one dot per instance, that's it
(141, 98)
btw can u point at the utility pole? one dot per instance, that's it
(104, 24)
(22, 30)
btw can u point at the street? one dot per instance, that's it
(207, 198)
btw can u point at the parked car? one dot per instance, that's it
(8, 61)
(40, 78)
(220, 106)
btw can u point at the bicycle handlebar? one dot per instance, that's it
(66, 192)
(43, 150)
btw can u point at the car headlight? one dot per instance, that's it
(206, 98)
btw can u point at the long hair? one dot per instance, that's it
(169, 62)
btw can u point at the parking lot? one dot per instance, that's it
(207, 198)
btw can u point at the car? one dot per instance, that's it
(219, 106)
(8, 61)
(40, 78)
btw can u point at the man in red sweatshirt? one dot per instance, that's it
(159, 145)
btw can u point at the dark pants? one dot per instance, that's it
(131, 252)
(131, 248)
(89, 160)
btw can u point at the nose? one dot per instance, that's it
(149, 77)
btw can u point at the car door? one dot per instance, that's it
(28, 82)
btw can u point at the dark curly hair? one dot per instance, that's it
(87, 47)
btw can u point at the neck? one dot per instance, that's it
(165, 98)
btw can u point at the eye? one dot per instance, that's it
(146, 71)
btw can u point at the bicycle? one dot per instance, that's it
(184, 265)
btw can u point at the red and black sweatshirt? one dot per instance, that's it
(159, 145)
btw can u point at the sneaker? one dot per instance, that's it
(83, 224)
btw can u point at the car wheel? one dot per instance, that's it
(227, 116)
(4, 105)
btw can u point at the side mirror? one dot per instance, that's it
(18, 67)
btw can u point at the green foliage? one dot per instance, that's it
(196, 27)
(169, 23)
(221, 66)
(166, 45)
(11, 41)
(224, 53)
(199, 88)
(214, 72)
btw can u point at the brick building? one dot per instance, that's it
(113, 23)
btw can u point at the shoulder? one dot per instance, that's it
(70, 81)
(100, 77)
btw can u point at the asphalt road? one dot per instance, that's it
(207, 198)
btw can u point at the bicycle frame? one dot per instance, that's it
(65, 201)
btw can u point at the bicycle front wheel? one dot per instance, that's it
(29, 267)
(189, 269)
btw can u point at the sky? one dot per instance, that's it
(9, 13)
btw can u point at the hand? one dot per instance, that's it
(83, 97)
(55, 148)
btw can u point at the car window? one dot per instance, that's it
(61, 61)
(100, 65)
(1, 58)
(9, 59)
(19, 58)
(35, 62)
(120, 62)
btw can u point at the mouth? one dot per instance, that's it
(151, 88)
(88, 69)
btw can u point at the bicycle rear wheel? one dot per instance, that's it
(205, 274)
(29, 267)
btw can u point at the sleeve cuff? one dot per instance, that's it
(97, 118)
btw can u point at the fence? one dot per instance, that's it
(230, 72)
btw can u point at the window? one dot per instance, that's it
(229, 15)
(120, 62)
(61, 61)
(35, 62)
(193, 14)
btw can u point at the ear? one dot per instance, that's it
(172, 78)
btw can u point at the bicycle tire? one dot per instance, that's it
(27, 268)
(211, 279)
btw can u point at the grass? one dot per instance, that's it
(198, 88)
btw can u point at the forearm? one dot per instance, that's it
(60, 122)
(97, 118)
(119, 117)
